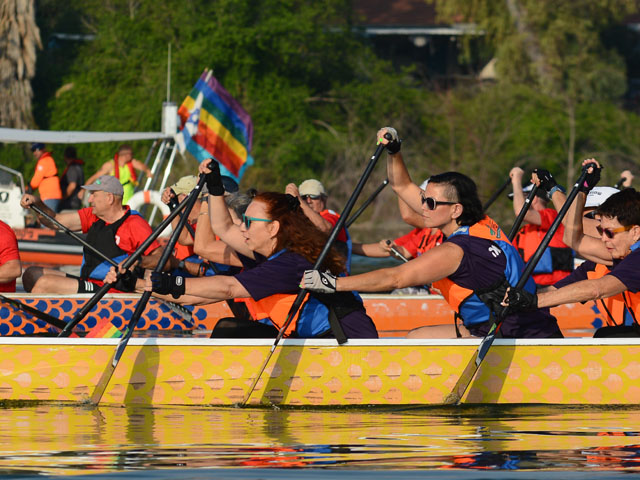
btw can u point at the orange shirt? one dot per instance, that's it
(46, 179)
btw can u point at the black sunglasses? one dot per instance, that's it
(312, 197)
(611, 232)
(432, 203)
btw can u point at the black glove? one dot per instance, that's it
(214, 180)
(394, 142)
(173, 201)
(547, 182)
(591, 180)
(165, 284)
(522, 301)
(126, 282)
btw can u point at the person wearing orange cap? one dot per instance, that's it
(46, 179)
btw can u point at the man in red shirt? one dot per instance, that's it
(557, 260)
(111, 227)
(10, 266)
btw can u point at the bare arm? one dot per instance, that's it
(138, 165)
(399, 178)
(532, 216)
(204, 290)
(582, 291)
(71, 220)
(10, 270)
(433, 265)
(318, 220)
(409, 215)
(105, 169)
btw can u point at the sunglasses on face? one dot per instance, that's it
(247, 220)
(312, 197)
(611, 232)
(432, 203)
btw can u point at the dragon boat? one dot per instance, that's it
(319, 372)
(394, 315)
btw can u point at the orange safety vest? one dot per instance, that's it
(463, 300)
(46, 178)
(275, 309)
(615, 306)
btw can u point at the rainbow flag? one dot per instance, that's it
(104, 329)
(215, 125)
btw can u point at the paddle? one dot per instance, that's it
(396, 252)
(179, 309)
(496, 194)
(367, 202)
(53, 321)
(122, 344)
(332, 236)
(133, 258)
(523, 213)
(620, 182)
(470, 370)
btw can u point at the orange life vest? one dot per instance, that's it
(463, 300)
(614, 307)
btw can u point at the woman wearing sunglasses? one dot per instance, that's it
(276, 243)
(472, 267)
(610, 274)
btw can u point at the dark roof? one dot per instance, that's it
(394, 12)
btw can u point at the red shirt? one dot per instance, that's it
(8, 251)
(333, 217)
(419, 240)
(530, 236)
(133, 231)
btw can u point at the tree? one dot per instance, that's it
(554, 46)
(19, 38)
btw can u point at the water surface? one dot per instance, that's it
(168, 442)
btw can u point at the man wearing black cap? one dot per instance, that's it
(111, 227)
(45, 178)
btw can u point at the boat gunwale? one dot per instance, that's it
(310, 342)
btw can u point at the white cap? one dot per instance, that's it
(423, 185)
(598, 195)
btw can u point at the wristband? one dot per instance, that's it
(555, 189)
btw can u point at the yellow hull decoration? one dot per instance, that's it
(157, 371)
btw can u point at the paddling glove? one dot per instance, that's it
(214, 180)
(547, 182)
(590, 181)
(394, 142)
(167, 284)
(522, 301)
(316, 281)
(127, 281)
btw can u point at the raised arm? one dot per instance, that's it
(207, 246)
(318, 220)
(219, 217)
(397, 172)
(532, 216)
(105, 169)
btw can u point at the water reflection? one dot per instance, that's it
(73, 440)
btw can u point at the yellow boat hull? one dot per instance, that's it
(165, 371)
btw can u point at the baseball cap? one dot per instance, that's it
(37, 146)
(229, 184)
(424, 184)
(539, 193)
(598, 195)
(312, 187)
(106, 183)
(185, 185)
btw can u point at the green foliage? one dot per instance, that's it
(317, 93)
